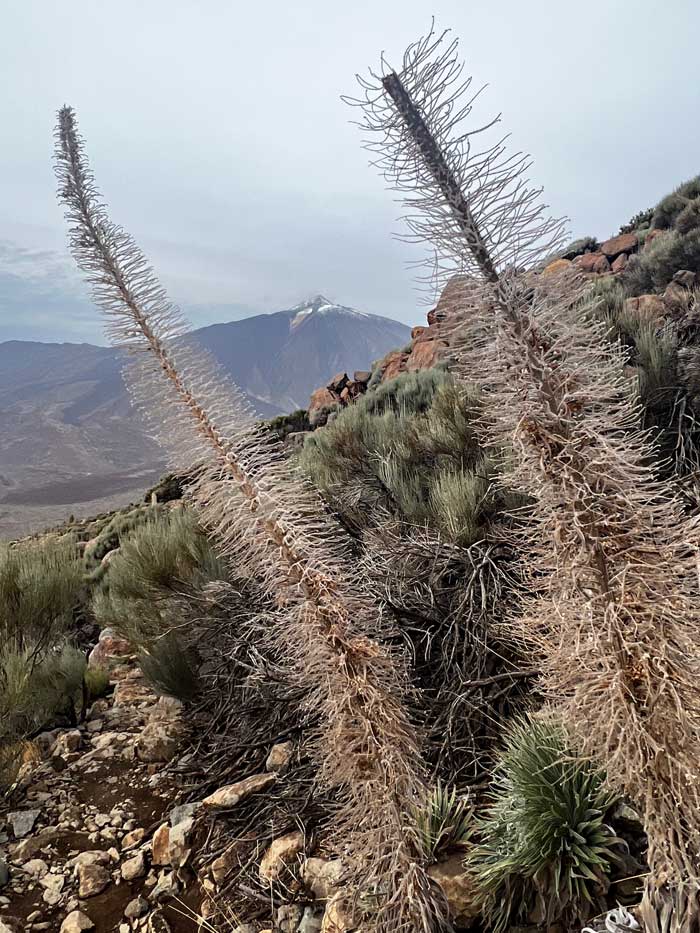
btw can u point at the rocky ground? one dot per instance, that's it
(79, 843)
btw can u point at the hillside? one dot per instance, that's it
(70, 440)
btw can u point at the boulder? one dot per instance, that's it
(459, 889)
(321, 400)
(280, 757)
(337, 383)
(362, 376)
(92, 880)
(109, 650)
(393, 364)
(593, 262)
(557, 267)
(649, 307)
(619, 264)
(77, 922)
(425, 354)
(417, 331)
(232, 794)
(624, 243)
(281, 851)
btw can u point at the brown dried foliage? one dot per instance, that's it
(614, 613)
(273, 526)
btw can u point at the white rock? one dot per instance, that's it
(231, 794)
(134, 867)
(77, 922)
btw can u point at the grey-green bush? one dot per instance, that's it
(408, 448)
(669, 208)
(148, 594)
(653, 268)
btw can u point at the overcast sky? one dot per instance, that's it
(219, 141)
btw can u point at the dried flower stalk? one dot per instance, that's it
(615, 613)
(273, 524)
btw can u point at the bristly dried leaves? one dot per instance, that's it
(616, 559)
(273, 525)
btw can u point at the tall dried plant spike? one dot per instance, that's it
(274, 526)
(485, 217)
(616, 610)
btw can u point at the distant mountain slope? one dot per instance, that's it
(281, 358)
(68, 433)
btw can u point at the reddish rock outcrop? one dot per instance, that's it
(624, 243)
(593, 262)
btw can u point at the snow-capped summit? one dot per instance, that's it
(319, 304)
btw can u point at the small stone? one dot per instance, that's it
(158, 742)
(280, 852)
(458, 887)
(231, 794)
(134, 867)
(53, 886)
(93, 879)
(222, 865)
(5, 928)
(136, 908)
(338, 916)
(280, 757)
(68, 742)
(160, 849)
(89, 857)
(77, 922)
(183, 812)
(35, 867)
(165, 888)
(178, 850)
(322, 876)
(133, 838)
(22, 821)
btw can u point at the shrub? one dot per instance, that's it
(35, 688)
(546, 851)
(654, 268)
(586, 244)
(40, 587)
(96, 682)
(284, 425)
(118, 527)
(689, 217)
(668, 209)
(147, 595)
(444, 823)
(640, 221)
(408, 448)
(170, 667)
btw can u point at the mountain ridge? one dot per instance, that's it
(67, 426)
